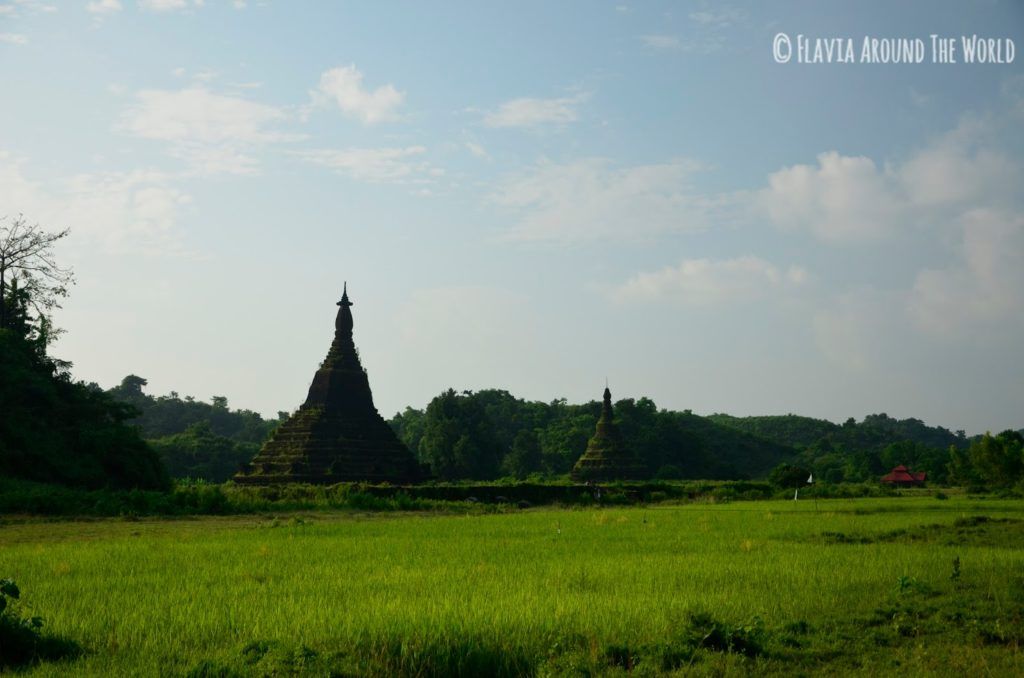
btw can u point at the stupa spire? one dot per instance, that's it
(337, 435)
(607, 457)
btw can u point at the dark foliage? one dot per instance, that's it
(22, 640)
(169, 415)
(56, 430)
(789, 476)
(199, 453)
(856, 452)
(489, 434)
(992, 461)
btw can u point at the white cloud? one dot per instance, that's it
(842, 198)
(476, 149)
(528, 112)
(957, 170)
(20, 8)
(845, 198)
(14, 38)
(167, 5)
(104, 6)
(344, 86)
(122, 212)
(976, 300)
(211, 131)
(705, 281)
(196, 114)
(373, 164)
(723, 18)
(984, 287)
(664, 42)
(590, 199)
(710, 37)
(960, 189)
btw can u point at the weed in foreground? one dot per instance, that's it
(22, 640)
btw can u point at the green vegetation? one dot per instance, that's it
(490, 433)
(867, 587)
(55, 430)
(203, 441)
(168, 415)
(995, 461)
(22, 640)
(200, 498)
(855, 452)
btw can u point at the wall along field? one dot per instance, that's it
(865, 585)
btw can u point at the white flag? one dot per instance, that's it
(810, 479)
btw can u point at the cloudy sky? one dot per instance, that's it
(533, 196)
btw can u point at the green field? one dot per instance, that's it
(845, 586)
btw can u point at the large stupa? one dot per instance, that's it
(607, 457)
(337, 435)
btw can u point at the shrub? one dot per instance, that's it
(705, 631)
(21, 639)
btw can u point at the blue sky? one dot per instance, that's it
(533, 196)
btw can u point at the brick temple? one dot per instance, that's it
(337, 435)
(606, 456)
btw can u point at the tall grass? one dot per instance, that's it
(538, 591)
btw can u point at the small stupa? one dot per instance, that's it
(607, 457)
(337, 435)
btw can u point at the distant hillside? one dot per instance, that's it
(161, 416)
(194, 439)
(874, 433)
(789, 430)
(730, 453)
(491, 433)
(855, 451)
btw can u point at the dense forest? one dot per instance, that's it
(491, 434)
(195, 439)
(55, 429)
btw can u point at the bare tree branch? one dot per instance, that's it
(26, 259)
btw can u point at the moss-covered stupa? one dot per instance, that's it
(607, 457)
(337, 435)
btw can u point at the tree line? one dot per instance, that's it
(55, 429)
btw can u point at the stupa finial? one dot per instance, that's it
(344, 296)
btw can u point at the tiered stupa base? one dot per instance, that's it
(314, 446)
(607, 458)
(337, 435)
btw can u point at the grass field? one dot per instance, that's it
(848, 586)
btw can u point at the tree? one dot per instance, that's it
(55, 430)
(30, 277)
(788, 476)
(998, 460)
(524, 458)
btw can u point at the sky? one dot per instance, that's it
(531, 196)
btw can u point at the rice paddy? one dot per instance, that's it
(844, 586)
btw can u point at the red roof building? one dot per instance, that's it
(904, 477)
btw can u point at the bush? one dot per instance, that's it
(21, 639)
(707, 632)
